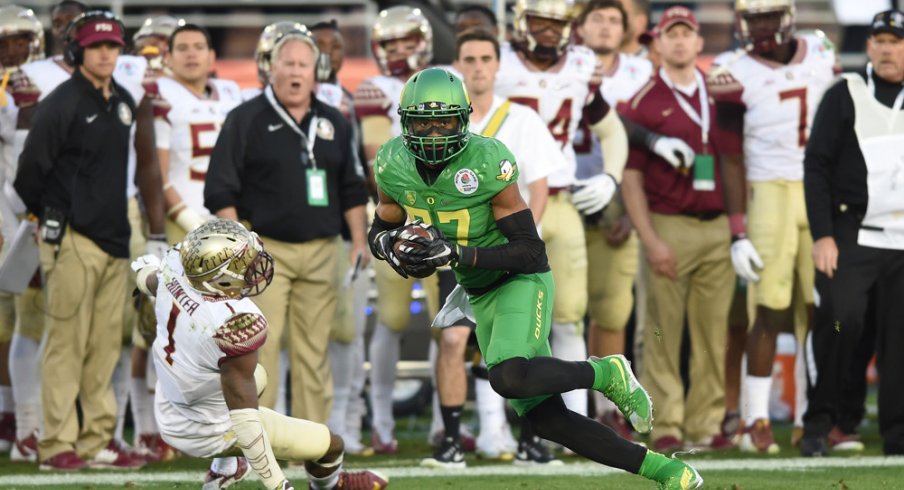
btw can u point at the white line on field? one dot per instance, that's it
(574, 469)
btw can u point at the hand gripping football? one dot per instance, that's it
(411, 238)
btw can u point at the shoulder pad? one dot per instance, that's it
(241, 334)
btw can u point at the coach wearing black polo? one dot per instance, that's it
(854, 183)
(285, 162)
(73, 176)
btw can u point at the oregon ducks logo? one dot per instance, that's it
(538, 326)
(411, 197)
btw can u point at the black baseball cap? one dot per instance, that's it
(890, 21)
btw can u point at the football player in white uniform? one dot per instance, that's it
(21, 41)
(205, 355)
(402, 43)
(766, 95)
(542, 71)
(151, 41)
(40, 79)
(612, 246)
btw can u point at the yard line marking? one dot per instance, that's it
(572, 469)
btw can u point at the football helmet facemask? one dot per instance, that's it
(151, 40)
(222, 258)
(397, 23)
(435, 112)
(766, 40)
(16, 20)
(556, 11)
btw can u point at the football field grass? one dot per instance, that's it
(727, 470)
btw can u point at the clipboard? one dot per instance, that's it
(21, 260)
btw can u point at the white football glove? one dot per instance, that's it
(594, 193)
(744, 258)
(188, 219)
(675, 151)
(145, 261)
(157, 248)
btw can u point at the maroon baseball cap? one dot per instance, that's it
(676, 15)
(100, 30)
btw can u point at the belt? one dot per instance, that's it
(555, 190)
(703, 215)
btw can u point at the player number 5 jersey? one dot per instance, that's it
(195, 333)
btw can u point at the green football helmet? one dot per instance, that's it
(435, 111)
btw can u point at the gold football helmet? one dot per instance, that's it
(222, 258)
(17, 20)
(765, 42)
(269, 36)
(396, 23)
(561, 10)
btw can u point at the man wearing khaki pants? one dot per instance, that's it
(679, 215)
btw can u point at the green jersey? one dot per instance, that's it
(458, 203)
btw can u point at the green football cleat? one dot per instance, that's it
(616, 380)
(678, 475)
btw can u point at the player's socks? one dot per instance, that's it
(142, 407)
(341, 355)
(490, 406)
(121, 377)
(671, 473)
(357, 407)
(567, 342)
(25, 374)
(384, 354)
(282, 403)
(7, 405)
(224, 466)
(756, 392)
(325, 482)
(452, 420)
(800, 386)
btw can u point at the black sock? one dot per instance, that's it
(452, 420)
(527, 432)
(553, 421)
(525, 378)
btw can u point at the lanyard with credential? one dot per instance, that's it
(701, 119)
(306, 140)
(316, 178)
(899, 100)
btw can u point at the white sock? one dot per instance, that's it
(800, 386)
(341, 355)
(384, 354)
(25, 374)
(150, 374)
(224, 466)
(121, 377)
(756, 390)
(490, 407)
(436, 422)
(7, 404)
(142, 407)
(568, 344)
(282, 406)
(326, 482)
(357, 408)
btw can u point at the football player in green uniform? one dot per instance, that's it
(461, 188)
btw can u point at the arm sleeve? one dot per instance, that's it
(379, 226)
(833, 119)
(525, 252)
(223, 183)
(42, 148)
(352, 192)
(632, 115)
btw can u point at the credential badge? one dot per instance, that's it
(466, 181)
(125, 114)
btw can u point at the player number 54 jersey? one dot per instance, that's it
(188, 126)
(195, 333)
(780, 102)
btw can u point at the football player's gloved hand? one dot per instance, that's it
(674, 150)
(435, 252)
(145, 261)
(157, 246)
(593, 194)
(285, 485)
(744, 258)
(382, 250)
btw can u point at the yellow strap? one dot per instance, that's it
(3, 84)
(497, 120)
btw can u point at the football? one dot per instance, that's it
(404, 238)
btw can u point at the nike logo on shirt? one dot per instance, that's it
(274, 127)
(90, 119)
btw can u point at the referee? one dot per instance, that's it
(286, 162)
(854, 181)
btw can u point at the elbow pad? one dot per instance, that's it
(253, 441)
